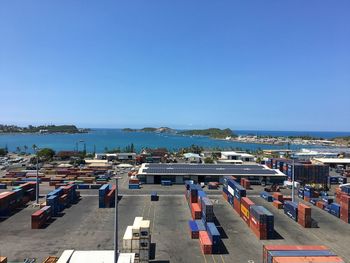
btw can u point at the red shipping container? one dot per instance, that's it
(331, 259)
(320, 204)
(278, 196)
(277, 204)
(304, 209)
(287, 198)
(224, 195)
(237, 206)
(260, 230)
(267, 248)
(195, 211)
(205, 242)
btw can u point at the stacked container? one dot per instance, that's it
(304, 215)
(265, 195)
(246, 203)
(207, 210)
(245, 183)
(106, 196)
(261, 222)
(137, 239)
(344, 210)
(40, 217)
(214, 237)
(18, 197)
(291, 210)
(202, 226)
(334, 209)
(296, 254)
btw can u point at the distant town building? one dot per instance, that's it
(193, 157)
(235, 157)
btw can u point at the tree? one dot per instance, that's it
(208, 160)
(3, 152)
(18, 149)
(25, 149)
(106, 149)
(46, 154)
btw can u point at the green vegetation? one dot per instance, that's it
(129, 130)
(46, 154)
(41, 129)
(3, 151)
(127, 149)
(191, 149)
(211, 132)
(208, 160)
(151, 129)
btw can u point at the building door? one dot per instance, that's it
(157, 179)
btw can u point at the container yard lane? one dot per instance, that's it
(330, 231)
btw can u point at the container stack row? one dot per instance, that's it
(19, 196)
(106, 196)
(202, 225)
(137, 239)
(134, 183)
(299, 254)
(304, 172)
(245, 183)
(339, 208)
(258, 218)
(41, 217)
(298, 212)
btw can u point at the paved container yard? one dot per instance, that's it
(86, 227)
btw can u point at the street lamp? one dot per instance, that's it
(37, 176)
(116, 252)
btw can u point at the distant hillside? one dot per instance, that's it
(211, 132)
(41, 129)
(151, 129)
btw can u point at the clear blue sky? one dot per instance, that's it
(276, 65)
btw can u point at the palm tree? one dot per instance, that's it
(25, 149)
(18, 149)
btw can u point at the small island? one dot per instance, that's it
(214, 133)
(151, 129)
(42, 129)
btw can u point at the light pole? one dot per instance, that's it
(37, 177)
(293, 199)
(116, 250)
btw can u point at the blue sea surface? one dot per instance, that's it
(113, 138)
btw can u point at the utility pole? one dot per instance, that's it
(116, 250)
(37, 177)
(293, 199)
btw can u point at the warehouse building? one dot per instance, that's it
(152, 173)
(333, 162)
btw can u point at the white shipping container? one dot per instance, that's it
(127, 239)
(145, 228)
(135, 244)
(126, 258)
(136, 226)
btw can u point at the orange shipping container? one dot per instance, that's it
(205, 242)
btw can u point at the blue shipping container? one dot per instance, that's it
(291, 210)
